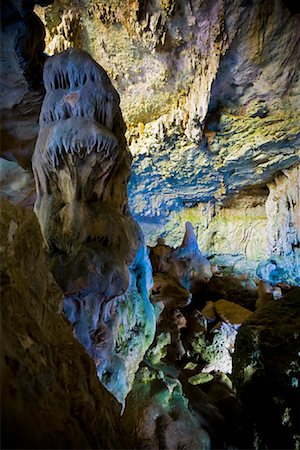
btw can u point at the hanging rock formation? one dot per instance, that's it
(98, 257)
(21, 95)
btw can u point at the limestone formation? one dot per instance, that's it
(214, 348)
(196, 269)
(178, 273)
(283, 212)
(98, 257)
(211, 95)
(186, 262)
(50, 393)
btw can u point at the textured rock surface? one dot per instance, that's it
(16, 184)
(211, 95)
(231, 312)
(186, 262)
(266, 374)
(166, 408)
(210, 91)
(22, 60)
(283, 213)
(81, 166)
(50, 394)
(178, 273)
(161, 415)
(215, 348)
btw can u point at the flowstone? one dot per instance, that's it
(96, 249)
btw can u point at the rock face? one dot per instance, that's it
(211, 95)
(22, 60)
(98, 257)
(266, 374)
(50, 394)
(283, 213)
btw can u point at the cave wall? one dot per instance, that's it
(210, 94)
(50, 393)
(22, 61)
(21, 94)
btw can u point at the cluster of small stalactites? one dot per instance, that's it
(97, 104)
(73, 69)
(77, 86)
(80, 136)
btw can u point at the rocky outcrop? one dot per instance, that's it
(266, 374)
(98, 257)
(248, 123)
(50, 393)
(211, 96)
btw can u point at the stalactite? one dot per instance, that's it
(81, 167)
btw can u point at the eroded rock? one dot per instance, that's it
(214, 349)
(98, 257)
(220, 124)
(186, 262)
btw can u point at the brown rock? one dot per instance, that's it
(197, 322)
(209, 312)
(51, 396)
(231, 312)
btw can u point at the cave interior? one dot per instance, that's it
(150, 224)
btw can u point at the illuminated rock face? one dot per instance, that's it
(210, 91)
(283, 213)
(81, 166)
